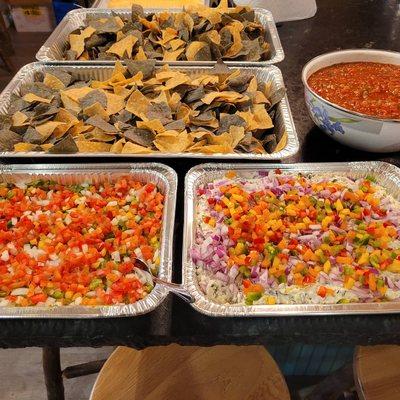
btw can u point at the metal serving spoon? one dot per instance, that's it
(172, 287)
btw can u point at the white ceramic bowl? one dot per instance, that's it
(349, 127)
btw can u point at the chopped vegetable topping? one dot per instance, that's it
(297, 239)
(75, 244)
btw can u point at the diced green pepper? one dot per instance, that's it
(348, 270)
(380, 283)
(370, 178)
(282, 279)
(57, 294)
(336, 249)
(9, 225)
(374, 260)
(245, 271)
(272, 250)
(95, 283)
(251, 297)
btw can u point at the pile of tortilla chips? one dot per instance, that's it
(198, 33)
(142, 110)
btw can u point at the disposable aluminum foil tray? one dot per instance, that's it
(161, 175)
(53, 48)
(386, 174)
(284, 121)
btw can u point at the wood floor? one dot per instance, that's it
(25, 46)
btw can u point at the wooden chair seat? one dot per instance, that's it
(190, 373)
(377, 372)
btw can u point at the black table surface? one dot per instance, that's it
(338, 24)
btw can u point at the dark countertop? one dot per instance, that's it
(339, 24)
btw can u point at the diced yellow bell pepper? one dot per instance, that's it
(327, 266)
(349, 283)
(363, 259)
(270, 300)
(326, 221)
(338, 205)
(394, 266)
(240, 249)
(276, 262)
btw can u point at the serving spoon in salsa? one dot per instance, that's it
(175, 288)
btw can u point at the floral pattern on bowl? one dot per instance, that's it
(329, 124)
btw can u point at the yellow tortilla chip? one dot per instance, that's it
(211, 14)
(176, 44)
(77, 41)
(138, 104)
(122, 91)
(178, 79)
(116, 77)
(262, 118)
(46, 146)
(152, 25)
(213, 149)
(172, 55)
(174, 101)
(117, 146)
(205, 80)
(123, 48)
(53, 82)
(197, 145)
(48, 128)
(70, 104)
(87, 146)
(227, 96)
(119, 21)
(282, 143)
(183, 112)
(235, 28)
(115, 103)
(253, 86)
(30, 98)
(140, 55)
(96, 109)
(248, 116)
(79, 128)
(19, 119)
(24, 146)
(84, 56)
(193, 49)
(132, 148)
(154, 125)
(214, 36)
(77, 93)
(118, 70)
(64, 115)
(173, 141)
(237, 134)
(259, 98)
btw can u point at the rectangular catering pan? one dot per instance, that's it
(283, 120)
(387, 175)
(53, 49)
(162, 176)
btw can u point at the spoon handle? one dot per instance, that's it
(177, 289)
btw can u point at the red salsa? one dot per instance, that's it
(365, 87)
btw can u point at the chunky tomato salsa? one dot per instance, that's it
(365, 87)
(76, 244)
